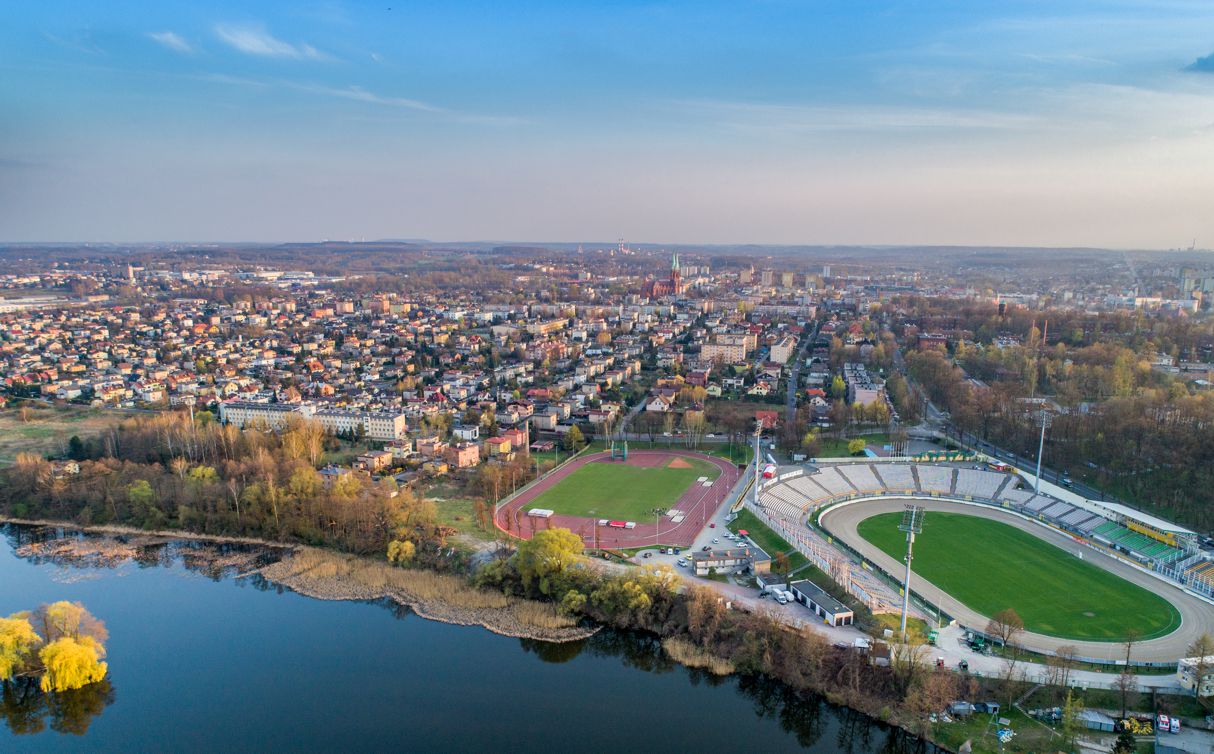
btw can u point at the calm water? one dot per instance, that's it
(198, 664)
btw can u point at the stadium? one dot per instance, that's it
(624, 499)
(1080, 573)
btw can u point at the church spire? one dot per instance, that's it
(674, 265)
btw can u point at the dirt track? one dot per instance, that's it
(697, 503)
(1197, 616)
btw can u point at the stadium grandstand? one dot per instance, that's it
(796, 492)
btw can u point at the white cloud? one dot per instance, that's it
(171, 40)
(254, 41)
(358, 94)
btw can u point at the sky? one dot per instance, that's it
(1053, 123)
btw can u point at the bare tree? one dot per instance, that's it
(1006, 626)
(1202, 652)
(1127, 684)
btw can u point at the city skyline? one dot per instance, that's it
(1069, 124)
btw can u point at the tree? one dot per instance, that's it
(401, 551)
(1005, 625)
(1126, 743)
(856, 447)
(17, 644)
(546, 556)
(1127, 684)
(1072, 721)
(1202, 650)
(574, 439)
(71, 663)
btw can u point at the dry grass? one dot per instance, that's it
(541, 615)
(693, 656)
(46, 430)
(445, 597)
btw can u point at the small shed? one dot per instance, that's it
(1094, 720)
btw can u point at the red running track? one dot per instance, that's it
(697, 504)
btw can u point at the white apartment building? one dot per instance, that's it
(383, 426)
(242, 414)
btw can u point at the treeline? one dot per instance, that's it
(165, 471)
(1149, 443)
(548, 567)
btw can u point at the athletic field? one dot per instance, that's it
(626, 492)
(989, 566)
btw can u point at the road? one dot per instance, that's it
(794, 377)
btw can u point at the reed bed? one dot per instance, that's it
(439, 596)
(692, 655)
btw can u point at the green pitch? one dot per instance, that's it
(620, 492)
(989, 566)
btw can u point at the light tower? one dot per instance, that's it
(1045, 419)
(912, 524)
(758, 476)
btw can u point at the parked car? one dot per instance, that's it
(682, 562)
(705, 548)
(715, 540)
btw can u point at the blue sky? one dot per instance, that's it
(772, 121)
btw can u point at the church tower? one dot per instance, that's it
(675, 282)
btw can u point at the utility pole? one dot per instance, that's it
(912, 524)
(1044, 418)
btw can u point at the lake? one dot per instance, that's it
(202, 662)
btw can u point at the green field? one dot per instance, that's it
(989, 566)
(620, 492)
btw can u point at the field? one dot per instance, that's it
(622, 492)
(45, 430)
(990, 566)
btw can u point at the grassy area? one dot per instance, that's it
(738, 452)
(916, 627)
(990, 566)
(460, 514)
(46, 430)
(836, 447)
(624, 492)
(764, 537)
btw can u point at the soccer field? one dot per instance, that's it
(621, 492)
(990, 566)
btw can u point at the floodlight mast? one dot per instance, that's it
(758, 433)
(1045, 419)
(912, 524)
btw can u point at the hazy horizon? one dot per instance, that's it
(768, 123)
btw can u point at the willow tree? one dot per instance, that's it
(17, 644)
(71, 663)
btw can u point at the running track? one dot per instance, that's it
(1196, 615)
(698, 504)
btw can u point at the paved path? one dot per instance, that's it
(1197, 616)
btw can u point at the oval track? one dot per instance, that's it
(1197, 616)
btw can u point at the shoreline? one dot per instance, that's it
(502, 619)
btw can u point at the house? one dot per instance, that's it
(767, 418)
(516, 435)
(467, 432)
(464, 455)
(374, 461)
(497, 446)
(659, 403)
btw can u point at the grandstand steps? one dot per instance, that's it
(1003, 486)
(952, 487)
(873, 468)
(915, 474)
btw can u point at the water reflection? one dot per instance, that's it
(28, 710)
(804, 715)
